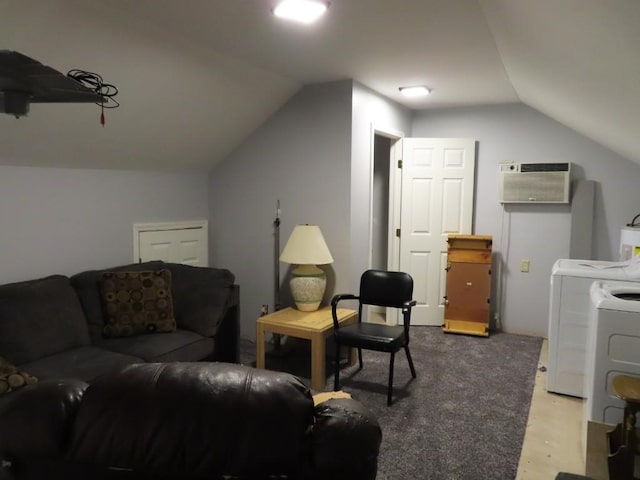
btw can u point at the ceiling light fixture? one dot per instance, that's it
(412, 92)
(304, 11)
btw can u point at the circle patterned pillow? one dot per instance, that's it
(137, 302)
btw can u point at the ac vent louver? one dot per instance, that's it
(534, 182)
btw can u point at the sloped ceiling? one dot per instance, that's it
(197, 77)
(577, 61)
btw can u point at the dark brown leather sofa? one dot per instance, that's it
(185, 421)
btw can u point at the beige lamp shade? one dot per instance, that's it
(306, 248)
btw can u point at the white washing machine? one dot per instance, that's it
(613, 347)
(569, 317)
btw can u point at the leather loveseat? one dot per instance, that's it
(185, 421)
(54, 327)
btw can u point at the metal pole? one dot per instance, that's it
(277, 339)
(276, 260)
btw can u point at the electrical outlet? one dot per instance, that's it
(524, 265)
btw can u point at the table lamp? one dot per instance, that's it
(306, 248)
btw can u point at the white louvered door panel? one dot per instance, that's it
(178, 243)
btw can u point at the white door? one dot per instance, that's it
(177, 243)
(436, 200)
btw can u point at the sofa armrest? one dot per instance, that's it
(37, 421)
(200, 297)
(345, 441)
(227, 338)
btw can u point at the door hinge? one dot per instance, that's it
(398, 232)
(399, 163)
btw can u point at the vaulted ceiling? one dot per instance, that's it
(197, 77)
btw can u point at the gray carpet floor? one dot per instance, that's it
(465, 415)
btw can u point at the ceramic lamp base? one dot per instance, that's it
(307, 284)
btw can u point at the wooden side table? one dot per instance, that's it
(315, 326)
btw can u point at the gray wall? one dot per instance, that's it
(300, 156)
(315, 156)
(538, 233)
(65, 221)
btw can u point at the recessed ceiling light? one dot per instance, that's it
(305, 11)
(418, 91)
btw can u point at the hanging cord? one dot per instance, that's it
(633, 222)
(95, 83)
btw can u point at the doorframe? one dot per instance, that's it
(396, 136)
(395, 203)
(393, 246)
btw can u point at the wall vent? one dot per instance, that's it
(534, 182)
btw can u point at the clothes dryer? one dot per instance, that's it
(569, 317)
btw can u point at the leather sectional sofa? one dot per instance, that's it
(185, 421)
(54, 327)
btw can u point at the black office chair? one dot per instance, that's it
(385, 289)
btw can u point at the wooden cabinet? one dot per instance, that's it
(468, 285)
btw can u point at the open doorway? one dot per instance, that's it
(380, 213)
(380, 202)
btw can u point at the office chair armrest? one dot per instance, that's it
(334, 306)
(343, 296)
(406, 314)
(408, 304)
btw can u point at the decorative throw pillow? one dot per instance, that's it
(11, 378)
(137, 302)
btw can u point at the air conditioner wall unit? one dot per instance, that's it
(534, 182)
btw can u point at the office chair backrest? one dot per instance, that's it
(386, 289)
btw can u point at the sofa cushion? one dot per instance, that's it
(83, 363)
(181, 345)
(39, 318)
(12, 378)
(87, 288)
(201, 296)
(137, 302)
